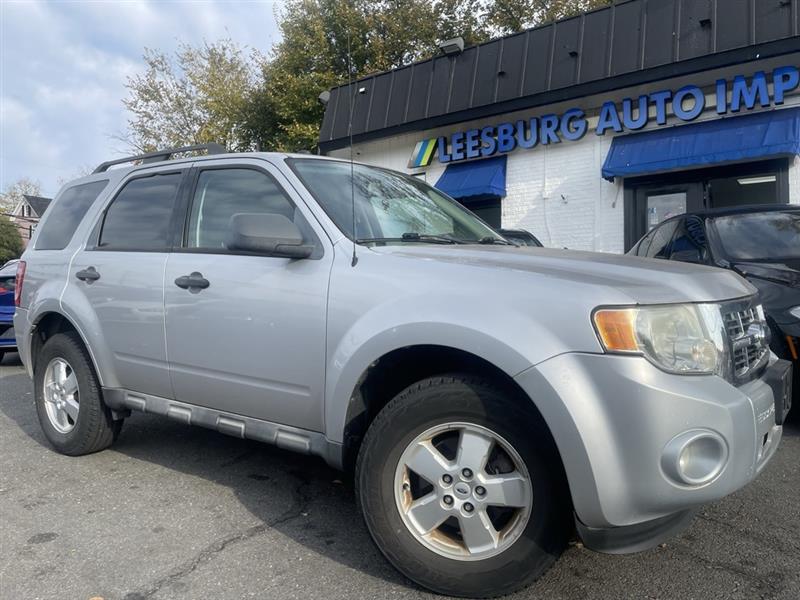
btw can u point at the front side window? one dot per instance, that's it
(222, 193)
(389, 207)
(140, 217)
(760, 236)
(662, 240)
(689, 243)
(66, 213)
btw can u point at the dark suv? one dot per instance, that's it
(761, 243)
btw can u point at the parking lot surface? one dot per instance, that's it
(178, 512)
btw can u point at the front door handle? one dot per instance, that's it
(88, 274)
(193, 281)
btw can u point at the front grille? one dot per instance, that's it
(748, 334)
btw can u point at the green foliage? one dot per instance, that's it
(199, 95)
(10, 241)
(220, 92)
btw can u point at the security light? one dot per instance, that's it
(453, 46)
(324, 97)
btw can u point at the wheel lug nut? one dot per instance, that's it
(467, 473)
(447, 478)
(448, 500)
(468, 507)
(480, 490)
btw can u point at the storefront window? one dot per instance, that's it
(661, 207)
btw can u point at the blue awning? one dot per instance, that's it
(485, 177)
(732, 139)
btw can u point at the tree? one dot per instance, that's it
(10, 241)
(12, 195)
(220, 92)
(510, 16)
(200, 95)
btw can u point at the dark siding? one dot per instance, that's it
(659, 33)
(381, 88)
(538, 61)
(440, 86)
(486, 74)
(399, 97)
(566, 53)
(342, 114)
(773, 19)
(734, 24)
(512, 63)
(420, 83)
(595, 47)
(694, 37)
(329, 117)
(625, 47)
(361, 108)
(628, 43)
(462, 80)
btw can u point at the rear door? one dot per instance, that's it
(121, 273)
(253, 341)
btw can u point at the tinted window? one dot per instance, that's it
(760, 236)
(662, 238)
(222, 193)
(139, 217)
(66, 213)
(689, 243)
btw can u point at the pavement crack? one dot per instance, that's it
(298, 509)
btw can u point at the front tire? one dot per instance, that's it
(462, 489)
(68, 399)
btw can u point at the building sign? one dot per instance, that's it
(686, 104)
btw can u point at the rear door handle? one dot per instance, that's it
(193, 281)
(88, 274)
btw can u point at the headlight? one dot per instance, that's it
(795, 312)
(679, 338)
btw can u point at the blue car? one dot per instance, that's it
(8, 341)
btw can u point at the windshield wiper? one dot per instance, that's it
(412, 237)
(493, 240)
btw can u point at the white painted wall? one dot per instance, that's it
(556, 191)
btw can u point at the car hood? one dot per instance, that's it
(644, 281)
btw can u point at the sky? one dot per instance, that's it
(64, 64)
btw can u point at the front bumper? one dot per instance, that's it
(614, 418)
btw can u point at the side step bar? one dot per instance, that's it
(283, 436)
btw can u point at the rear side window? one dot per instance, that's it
(66, 213)
(140, 217)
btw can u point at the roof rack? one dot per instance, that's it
(161, 155)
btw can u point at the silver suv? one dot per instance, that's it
(491, 400)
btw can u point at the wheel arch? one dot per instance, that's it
(395, 370)
(47, 324)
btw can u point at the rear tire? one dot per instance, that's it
(440, 558)
(68, 398)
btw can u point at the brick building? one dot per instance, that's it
(591, 130)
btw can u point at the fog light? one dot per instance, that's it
(694, 457)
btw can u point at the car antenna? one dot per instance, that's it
(354, 261)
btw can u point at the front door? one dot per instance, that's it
(656, 203)
(252, 342)
(121, 275)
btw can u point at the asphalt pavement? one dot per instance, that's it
(179, 512)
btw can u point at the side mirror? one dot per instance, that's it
(266, 234)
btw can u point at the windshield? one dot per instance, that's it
(389, 207)
(760, 236)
